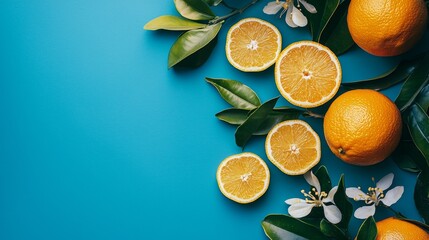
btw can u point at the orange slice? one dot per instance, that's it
(293, 146)
(307, 74)
(243, 177)
(253, 45)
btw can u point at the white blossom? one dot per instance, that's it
(294, 17)
(315, 198)
(375, 196)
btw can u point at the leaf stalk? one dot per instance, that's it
(233, 13)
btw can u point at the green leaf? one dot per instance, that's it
(172, 23)
(324, 179)
(336, 35)
(255, 120)
(418, 125)
(319, 20)
(368, 230)
(280, 227)
(194, 9)
(236, 93)
(199, 57)
(421, 195)
(237, 116)
(423, 98)
(332, 231)
(276, 116)
(190, 42)
(343, 203)
(398, 74)
(213, 2)
(414, 84)
(408, 157)
(233, 116)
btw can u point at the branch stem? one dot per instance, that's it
(313, 114)
(233, 13)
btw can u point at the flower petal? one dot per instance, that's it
(308, 6)
(288, 18)
(332, 213)
(393, 195)
(385, 182)
(312, 179)
(355, 193)
(273, 7)
(365, 211)
(300, 210)
(298, 18)
(293, 201)
(331, 194)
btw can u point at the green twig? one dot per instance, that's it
(397, 214)
(309, 113)
(235, 12)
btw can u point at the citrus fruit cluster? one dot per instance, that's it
(361, 127)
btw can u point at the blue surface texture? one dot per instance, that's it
(99, 140)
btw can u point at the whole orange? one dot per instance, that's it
(395, 229)
(387, 27)
(362, 127)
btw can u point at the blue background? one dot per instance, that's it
(99, 140)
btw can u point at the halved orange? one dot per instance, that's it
(293, 146)
(253, 45)
(307, 74)
(243, 177)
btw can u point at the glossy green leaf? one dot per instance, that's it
(236, 93)
(233, 116)
(324, 179)
(213, 2)
(238, 116)
(398, 74)
(417, 80)
(343, 203)
(318, 21)
(172, 23)
(421, 195)
(332, 231)
(255, 120)
(190, 42)
(368, 230)
(336, 35)
(423, 98)
(280, 227)
(408, 157)
(199, 57)
(194, 9)
(418, 125)
(276, 116)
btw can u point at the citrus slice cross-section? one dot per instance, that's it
(253, 45)
(307, 74)
(243, 177)
(293, 146)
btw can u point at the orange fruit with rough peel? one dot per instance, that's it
(243, 177)
(387, 27)
(253, 45)
(362, 127)
(395, 229)
(293, 147)
(307, 74)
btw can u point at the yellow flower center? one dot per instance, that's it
(314, 197)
